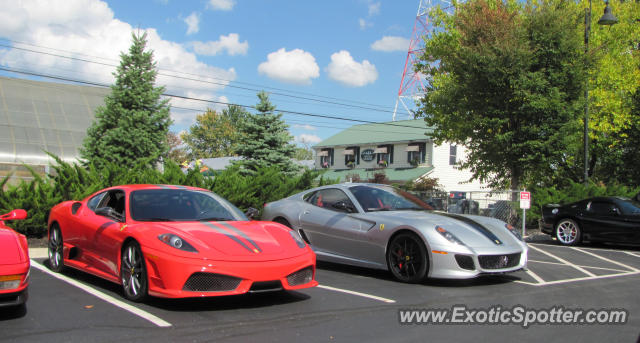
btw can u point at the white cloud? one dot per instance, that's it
(193, 23)
(295, 66)
(222, 5)
(305, 127)
(349, 72)
(310, 139)
(88, 29)
(391, 43)
(364, 24)
(374, 8)
(231, 43)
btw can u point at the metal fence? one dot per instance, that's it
(497, 204)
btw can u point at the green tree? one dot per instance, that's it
(177, 152)
(506, 81)
(133, 123)
(613, 81)
(215, 134)
(266, 142)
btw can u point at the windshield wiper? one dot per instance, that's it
(156, 219)
(214, 219)
(410, 208)
(376, 209)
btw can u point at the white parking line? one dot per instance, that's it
(632, 254)
(556, 282)
(134, 310)
(535, 276)
(606, 259)
(389, 301)
(583, 266)
(564, 261)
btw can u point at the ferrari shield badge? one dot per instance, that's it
(381, 227)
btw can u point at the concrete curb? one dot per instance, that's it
(38, 253)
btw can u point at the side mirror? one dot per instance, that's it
(17, 214)
(251, 212)
(343, 206)
(109, 212)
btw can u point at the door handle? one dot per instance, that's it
(307, 211)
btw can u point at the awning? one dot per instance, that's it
(382, 150)
(413, 148)
(348, 152)
(323, 153)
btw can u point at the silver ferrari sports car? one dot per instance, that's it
(378, 226)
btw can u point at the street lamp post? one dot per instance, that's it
(606, 19)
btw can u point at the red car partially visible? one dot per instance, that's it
(14, 262)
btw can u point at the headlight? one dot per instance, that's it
(296, 237)
(176, 242)
(513, 231)
(554, 211)
(10, 281)
(448, 235)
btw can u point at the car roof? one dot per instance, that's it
(135, 187)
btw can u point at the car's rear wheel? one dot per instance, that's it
(133, 273)
(568, 232)
(55, 249)
(283, 221)
(407, 258)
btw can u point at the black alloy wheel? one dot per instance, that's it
(407, 258)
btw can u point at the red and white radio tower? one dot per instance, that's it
(412, 83)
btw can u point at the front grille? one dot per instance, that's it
(266, 286)
(210, 282)
(300, 277)
(465, 262)
(499, 261)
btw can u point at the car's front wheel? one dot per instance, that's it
(55, 249)
(133, 273)
(568, 232)
(407, 258)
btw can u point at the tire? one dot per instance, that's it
(407, 258)
(568, 232)
(56, 249)
(133, 273)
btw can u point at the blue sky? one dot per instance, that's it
(350, 52)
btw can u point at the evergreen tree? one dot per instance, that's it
(134, 122)
(266, 141)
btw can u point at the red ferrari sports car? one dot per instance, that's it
(14, 262)
(175, 242)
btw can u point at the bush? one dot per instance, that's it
(74, 182)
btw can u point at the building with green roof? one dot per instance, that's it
(402, 150)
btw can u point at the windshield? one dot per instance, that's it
(630, 206)
(181, 205)
(383, 198)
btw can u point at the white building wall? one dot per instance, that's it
(451, 177)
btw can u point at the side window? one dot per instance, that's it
(602, 208)
(115, 200)
(93, 202)
(327, 198)
(309, 196)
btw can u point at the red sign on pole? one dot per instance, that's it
(525, 200)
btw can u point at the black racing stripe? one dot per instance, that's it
(474, 224)
(244, 235)
(106, 225)
(234, 238)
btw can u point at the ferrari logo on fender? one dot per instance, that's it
(381, 227)
(256, 251)
(123, 227)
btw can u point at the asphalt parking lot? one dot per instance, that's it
(350, 305)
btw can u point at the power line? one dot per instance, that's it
(224, 83)
(61, 78)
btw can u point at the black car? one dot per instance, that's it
(603, 219)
